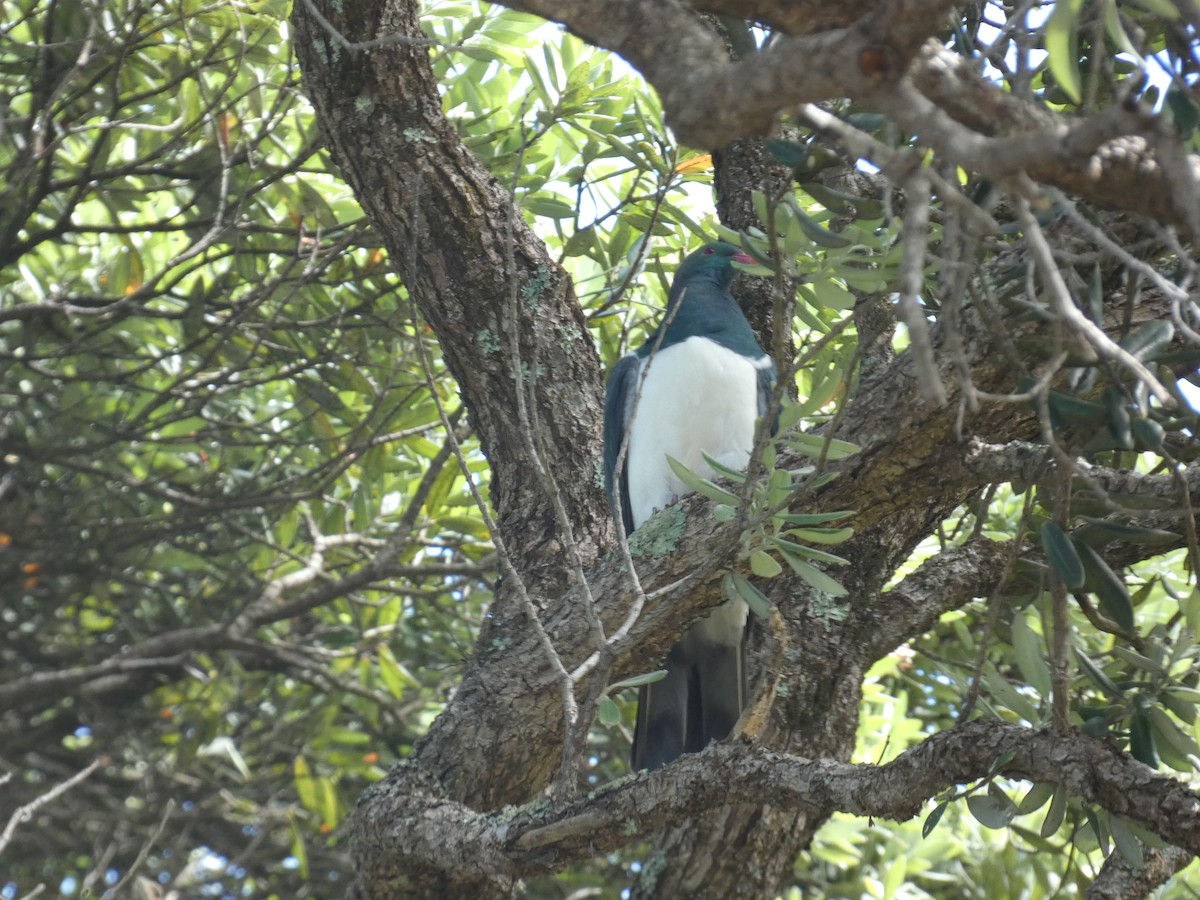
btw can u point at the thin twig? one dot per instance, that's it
(115, 891)
(1070, 314)
(912, 282)
(22, 813)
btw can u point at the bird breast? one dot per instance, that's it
(696, 396)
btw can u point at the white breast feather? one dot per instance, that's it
(696, 396)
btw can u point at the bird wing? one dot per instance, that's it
(766, 383)
(618, 408)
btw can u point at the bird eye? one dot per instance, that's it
(709, 251)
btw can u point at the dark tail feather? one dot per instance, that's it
(698, 701)
(720, 689)
(658, 737)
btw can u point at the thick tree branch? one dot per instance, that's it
(710, 101)
(789, 16)
(501, 847)
(1119, 881)
(944, 582)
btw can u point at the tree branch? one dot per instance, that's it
(710, 101)
(501, 847)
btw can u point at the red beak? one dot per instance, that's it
(744, 258)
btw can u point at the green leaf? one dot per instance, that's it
(1062, 555)
(1037, 797)
(809, 552)
(1180, 701)
(701, 486)
(1141, 740)
(608, 712)
(1167, 732)
(1128, 846)
(1184, 111)
(1138, 661)
(549, 208)
(843, 203)
(1116, 30)
(1148, 434)
(1097, 675)
(1098, 829)
(1119, 425)
(1008, 696)
(1072, 410)
(737, 476)
(815, 578)
(1148, 339)
(1061, 43)
(740, 586)
(990, 811)
(395, 677)
(822, 535)
(814, 230)
(724, 513)
(1104, 583)
(814, 444)
(306, 788)
(299, 851)
(831, 295)
(813, 518)
(1056, 814)
(788, 153)
(1098, 532)
(933, 818)
(764, 565)
(1027, 646)
(639, 680)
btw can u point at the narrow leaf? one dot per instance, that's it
(932, 819)
(1062, 555)
(1141, 740)
(1038, 796)
(813, 444)
(759, 603)
(813, 576)
(1058, 810)
(822, 535)
(789, 153)
(1148, 339)
(1127, 845)
(1167, 732)
(1060, 41)
(810, 552)
(639, 680)
(1103, 582)
(1097, 532)
(1008, 696)
(701, 486)
(1098, 829)
(735, 475)
(1027, 646)
(1097, 675)
(813, 518)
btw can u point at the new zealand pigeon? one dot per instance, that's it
(698, 383)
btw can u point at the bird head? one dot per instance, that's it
(714, 260)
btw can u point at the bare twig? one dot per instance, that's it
(22, 813)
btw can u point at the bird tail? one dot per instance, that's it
(699, 700)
